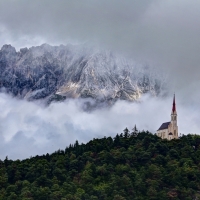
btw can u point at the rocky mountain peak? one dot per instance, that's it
(23, 50)
(8, 49)
(74, 71)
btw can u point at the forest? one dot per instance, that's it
(132, 165)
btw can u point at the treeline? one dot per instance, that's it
(138, 166)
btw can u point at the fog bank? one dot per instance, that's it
(28, 129)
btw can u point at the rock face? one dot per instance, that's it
(72, 71)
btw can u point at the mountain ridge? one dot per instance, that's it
(74, 71)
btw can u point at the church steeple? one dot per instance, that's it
(174, 127)
(174, 105)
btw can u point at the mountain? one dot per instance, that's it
(74, 71)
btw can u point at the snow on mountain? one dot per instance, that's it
(74, 71)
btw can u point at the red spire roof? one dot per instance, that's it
(174, 105)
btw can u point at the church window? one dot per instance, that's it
(174, 117)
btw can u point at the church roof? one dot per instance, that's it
(164, 126)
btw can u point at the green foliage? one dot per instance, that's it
(137, 165)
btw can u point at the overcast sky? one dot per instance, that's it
(163, 34)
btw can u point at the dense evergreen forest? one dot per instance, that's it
(132, 165)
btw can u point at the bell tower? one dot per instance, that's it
(174, 127)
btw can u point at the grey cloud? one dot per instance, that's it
(28, 129)
(79, 20)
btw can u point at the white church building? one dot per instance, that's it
(169, 130)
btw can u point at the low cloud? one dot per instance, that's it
(28, 129)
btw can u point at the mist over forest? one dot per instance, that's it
(29, 128)
(162, 34)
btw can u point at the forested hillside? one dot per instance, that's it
(138, 166)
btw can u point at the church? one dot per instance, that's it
(169, 130)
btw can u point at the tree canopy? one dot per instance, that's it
(137, 165)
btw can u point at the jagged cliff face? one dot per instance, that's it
(45, 71)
